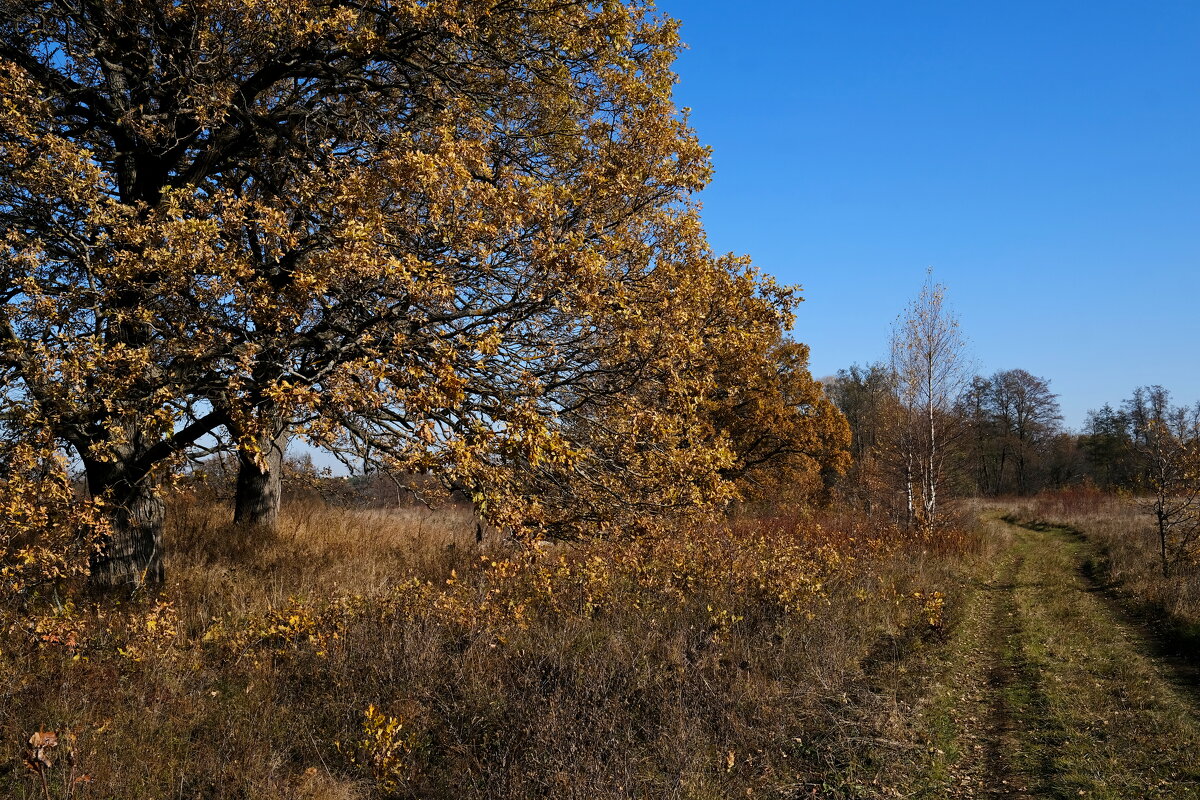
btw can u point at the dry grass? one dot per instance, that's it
(378, 654)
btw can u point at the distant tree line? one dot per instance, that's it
(1004, 435)
(1116, 443)
(922, 430)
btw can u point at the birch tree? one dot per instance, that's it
(929, 360)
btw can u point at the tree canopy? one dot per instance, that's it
(458, 234)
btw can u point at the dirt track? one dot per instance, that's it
(1051, 690)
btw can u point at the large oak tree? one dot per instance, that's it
(459, 232)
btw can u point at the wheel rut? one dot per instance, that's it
(1005, 672)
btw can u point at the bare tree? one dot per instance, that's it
(1167, 444)
(929, 359)
(1014, 418)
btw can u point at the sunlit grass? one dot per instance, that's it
(372, 654)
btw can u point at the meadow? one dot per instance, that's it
(382, 653)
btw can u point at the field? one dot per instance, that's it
(274, 273)
(1030, 651)
(383, 654)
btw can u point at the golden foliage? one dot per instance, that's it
(48, 531)
(458, 237)
(789, 439)
(782, 571)
(385, 748)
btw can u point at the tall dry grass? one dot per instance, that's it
(360, 654)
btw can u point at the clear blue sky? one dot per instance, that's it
(1042, 157)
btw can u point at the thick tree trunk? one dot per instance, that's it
(131, 554)
(120, 474)
(260, 480)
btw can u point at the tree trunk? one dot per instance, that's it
(260, 480)
(131, 554)
(1163, 532)
(910, 520)
(931, 472)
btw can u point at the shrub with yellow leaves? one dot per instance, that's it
(151, 632)
(724, 573)
(385, 748)
(48, 531)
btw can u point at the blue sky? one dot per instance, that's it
(1042, 157)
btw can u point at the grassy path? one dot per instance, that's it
(1049, 691)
